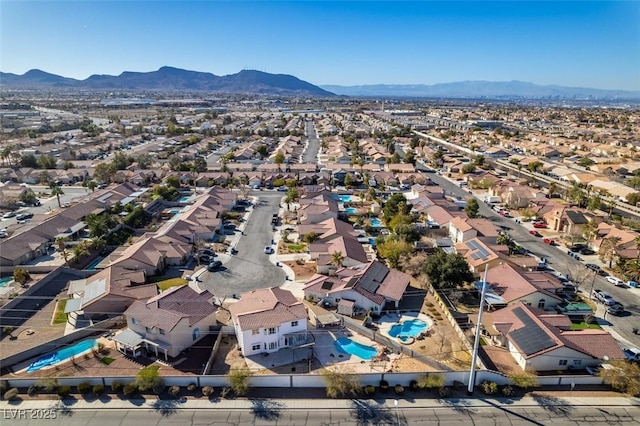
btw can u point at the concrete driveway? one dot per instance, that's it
(250, 268)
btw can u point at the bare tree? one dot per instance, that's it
(440, 337)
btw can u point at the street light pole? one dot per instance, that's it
(476, 343)
(395, 402)
(593, 282)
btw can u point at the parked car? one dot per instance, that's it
(586, 251)
(535, 233)
(595, 268)
(615, 281)
(539, 225)
(204, 258)
(576, 247)
(9, 215)
(213, 266)
(615, 309)
(208, 252)
(632, 354)
(549, 241)
(268, 250)
(604, 297)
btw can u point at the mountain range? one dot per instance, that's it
(481, 89)
(258, 82)
(169, 78)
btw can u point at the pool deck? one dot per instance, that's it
(387, 321)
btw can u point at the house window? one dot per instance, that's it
(134, 321)
(255, 331)
(256, 347)
(294, 323)
(148, 330)
(161, 331)
(541, 303)
(272, 330)
(577, 362)
(273, 345)
(563, 362)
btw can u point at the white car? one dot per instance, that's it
(268, 250)
(615, 281)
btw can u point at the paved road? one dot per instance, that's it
(528, 411)
(558, 260)
(310, 154)
(250, 268)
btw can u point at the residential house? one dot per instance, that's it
(541, 341)
(269, 319)
(478, 255)
(169, 322)
(514, 285)
(370, 287)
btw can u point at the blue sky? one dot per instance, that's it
(588, 44)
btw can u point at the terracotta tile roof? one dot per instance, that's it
(266, 308)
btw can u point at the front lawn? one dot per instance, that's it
(582, 325)
(59, 317)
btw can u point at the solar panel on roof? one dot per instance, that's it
(531, 338)
(327, 285)
(351, 282)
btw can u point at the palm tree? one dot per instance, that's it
(57, 191)
(607, 251)
(337, 258)
(62, 246)
(553, 188)
(98, 243)
(92, 185)
(79, 250)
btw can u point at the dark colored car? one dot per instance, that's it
(586, 251)
(576, 247)
(213, 266)
(204, 258)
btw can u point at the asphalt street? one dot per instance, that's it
(250, 268)
(310, 154)
(560, 261)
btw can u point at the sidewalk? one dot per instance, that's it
(323, 403)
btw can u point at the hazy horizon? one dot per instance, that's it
(574, 44)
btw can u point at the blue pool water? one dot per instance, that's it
(350, 210)
(61, 355)
(372, 241)
(184, 199)
(342, 198)
(93, 264)
(4, 281)
(174, 211)
(410, 328)
(350, 347)
(376, 223)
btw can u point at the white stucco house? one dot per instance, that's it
(268, 320)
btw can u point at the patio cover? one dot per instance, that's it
(128, 338)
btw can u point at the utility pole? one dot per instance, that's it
(593, 282)
(476, 343)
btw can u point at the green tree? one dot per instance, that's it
(47, 161)
(57, 191)
(504, 239)
(239, 380)
(409, 158)
(98, 224)
(148, 378)
(173, 181)
(21, 275)
(279, 159)
(634, 182)
(262, 150)
(552, 189)
(472, 208)
(623, 377)
(337, 258)
(633, 198)
(392, 250)
(103, 172)
(92, 185)
(397, 203)
(534, 166)
(447, 270)
(407, 232)
(480, 160)
(29, 160)
(468, 168)
(310, 237)
(339, 384)
(28, 196)
(79, 251)
(585, 162)
(608, 250)
(594, 202)
(62, 246)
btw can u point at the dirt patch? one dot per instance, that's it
(302, 271)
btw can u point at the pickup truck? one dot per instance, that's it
(604, 297)
(632, 354)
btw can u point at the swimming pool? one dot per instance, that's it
(342, 198)
(372, 241)
(350, 210)
(185, 198)
(93, 264)
(376, 223)
(4, 281)
(61, 355)
(350, 347)
(409, 328)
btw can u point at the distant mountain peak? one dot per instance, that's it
(172, 78)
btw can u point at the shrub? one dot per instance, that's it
(116, 386)
(239, 379)
(369, 390)
(225, 392)
(191, 387)
(489, 388)
(84, 387)
(129, 389)
(524, 380)
(340, 384)
(431, 381)
(98, 389)
(413, 385)
(207, 391)
(174, 391)
(508, 390)
(7, 329)
(63, 391)
(33, 390)
(384, 385)
(148, 378)
(11, 394)
(4, 386)
(158, 388)
(399, 389)
(444, 391)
